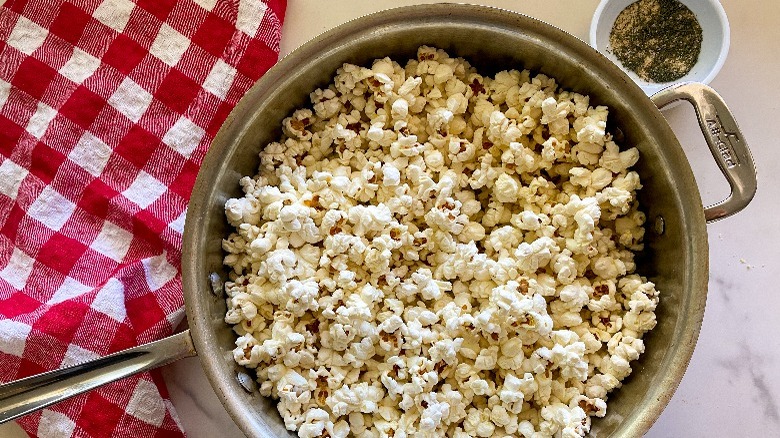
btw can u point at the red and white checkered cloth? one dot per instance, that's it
(107, 108)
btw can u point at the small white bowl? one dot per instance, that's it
(714, 46)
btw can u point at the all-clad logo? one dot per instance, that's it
(724, 141)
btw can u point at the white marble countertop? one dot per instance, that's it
(732, 386)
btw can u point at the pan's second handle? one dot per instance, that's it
(27, 395)
(725, 141)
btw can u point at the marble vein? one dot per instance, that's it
(752, 363)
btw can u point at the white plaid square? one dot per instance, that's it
(68, 289)
(113, 241)
(5, 91)
(178, 224)
(40, 120)
(169, 45)
(110, 300)
(55, 425)
(250, 15)
(114, 13)
(184, 136)
(80, 66)
(91, 154)
(146, 403)
(75, 355)
(144, 190)
(13, 334)
(206, 4)
(220, 79)
(27, 36)
(17, 270)
(11, 177)
(130, 99)
(158, 271)
(51, 209)
(175, 318)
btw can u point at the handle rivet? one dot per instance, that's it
(659, 226)
(217, 287)
(246, 382)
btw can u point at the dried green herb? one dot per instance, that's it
(659, 40)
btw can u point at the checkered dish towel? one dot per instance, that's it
(107, 108)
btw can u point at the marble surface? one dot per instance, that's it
(732, 386)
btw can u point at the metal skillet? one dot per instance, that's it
(675, 258)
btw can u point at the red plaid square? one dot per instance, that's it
(33, 77)
(110, 125)
(95, 198)
(158, 8)
(214, 34)
(28, 367)
(11, 227)
(177, 91)
(83, 107)
(184, 12)
(124, 54)
(61, 253)
(102, 412)
(124, 337)
(45, 161)
(70, 23)
(10, 134)
(185, 179)
(106, 110)
(19, 304)
(60, 322)
(137, 146)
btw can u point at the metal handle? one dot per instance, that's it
(725, 141)
(30, 394)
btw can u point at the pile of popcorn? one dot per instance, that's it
(431, 252)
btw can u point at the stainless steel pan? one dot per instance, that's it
(675, 258)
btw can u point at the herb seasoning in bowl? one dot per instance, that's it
(659, 40)
(662, 42)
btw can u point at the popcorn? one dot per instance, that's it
(568, 358)
(431, 252)
(391, 175)
(560, 420)
(506, 188)
(242, 210)
(535, 255)
(528, 220)
(565, 267)
(432, 415)
(554, 115)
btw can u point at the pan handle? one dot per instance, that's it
(725, 141)
(30, 394)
